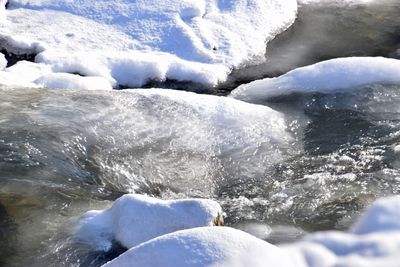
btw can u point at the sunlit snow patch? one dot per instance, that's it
(134, 219)
(327, 76)
(130, 42)
(206, 246)
(223, 246)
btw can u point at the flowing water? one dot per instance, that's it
(63, 153)
(313, 165)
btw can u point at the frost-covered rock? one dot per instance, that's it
(130, 42)
(202, 247)
(335, 74)
(134, 219)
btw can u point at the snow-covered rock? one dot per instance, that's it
(334, 74)
(202, 247)
(374, 241)
(134, 219)
(129, 42)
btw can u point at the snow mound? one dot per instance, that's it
(335, 74)
(205, 246)
(368, 245)
(383, 215)
(130, 42)
(134, 219)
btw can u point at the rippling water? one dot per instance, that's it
(63, 153)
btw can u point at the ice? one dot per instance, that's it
(131, 42)
(134, 219)
(326, 76)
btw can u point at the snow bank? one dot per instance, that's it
(28, 74)
(335, 74)
(374, 241)
(129, 42)
(134, 219)
(206, 246)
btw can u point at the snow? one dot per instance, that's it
(67, 81)
(134, 219)
(383, 215)
(28, 74)
(201, 247)
(3, 62)
(326, 76)
(336, 2)
(23, 74)
(130, 42)
(374, 240)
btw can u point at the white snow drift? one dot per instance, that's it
(335, 74)
(129, 42)
(373, 241)
(201, 247)
(134, 219)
